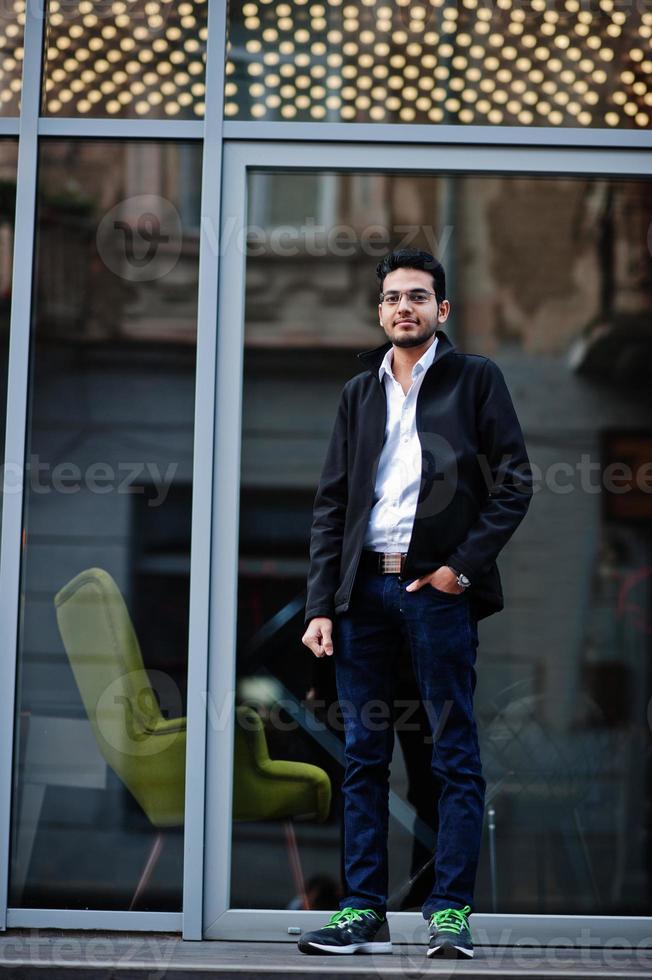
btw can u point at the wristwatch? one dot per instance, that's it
(462, 580)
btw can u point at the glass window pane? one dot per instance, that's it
(551, 278)
(505, 63)
(137, 60)
(12, 26)
(100, 724)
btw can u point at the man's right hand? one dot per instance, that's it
(319, 636)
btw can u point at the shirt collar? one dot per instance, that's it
(422, 364)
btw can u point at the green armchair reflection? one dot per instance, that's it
(269, 789)
(148, 752)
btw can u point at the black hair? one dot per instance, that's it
(412, 258)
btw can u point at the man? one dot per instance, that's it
(425, 480)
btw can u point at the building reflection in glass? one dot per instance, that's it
(103, 631)
(553, 279)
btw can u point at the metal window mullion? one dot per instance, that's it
(543, 933)
(133, 129)
(549, 161)
(201, 570)
(432, 135)
(224, 543)
(16, 424)
(93, 919)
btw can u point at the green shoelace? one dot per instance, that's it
(344, 916)
(453, 920)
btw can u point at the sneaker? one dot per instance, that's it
(349, 931)
(450, 935)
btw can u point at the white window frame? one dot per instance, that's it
(239, 158)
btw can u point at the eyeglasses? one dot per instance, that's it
(393, 297)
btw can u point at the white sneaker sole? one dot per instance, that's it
(449, 950)
(354, 948)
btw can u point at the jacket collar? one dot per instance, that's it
(372, 359)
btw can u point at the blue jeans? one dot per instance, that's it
(442, 637)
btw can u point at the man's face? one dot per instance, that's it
(410, 324)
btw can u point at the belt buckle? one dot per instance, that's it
(391, 563)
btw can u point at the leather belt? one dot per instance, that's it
(384, 562)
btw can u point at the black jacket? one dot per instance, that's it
(476, 481)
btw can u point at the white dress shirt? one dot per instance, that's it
(398, 479)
